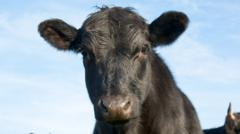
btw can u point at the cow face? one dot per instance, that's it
(116, 45)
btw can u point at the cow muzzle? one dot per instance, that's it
(116, 109)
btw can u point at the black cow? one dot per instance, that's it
(130, 86)
(231, 125)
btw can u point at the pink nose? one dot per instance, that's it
(115, 108)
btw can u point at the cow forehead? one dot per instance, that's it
(115, 23)
(117, 28)
(117, 17)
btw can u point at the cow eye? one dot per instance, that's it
(145, 49)
(140, 52)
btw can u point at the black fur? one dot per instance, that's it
(166, 28)
(120, 63)
(218, 130)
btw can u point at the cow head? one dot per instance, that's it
(232, 123)
(117, 47)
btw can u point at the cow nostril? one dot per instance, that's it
(127, 105)
(103, 107)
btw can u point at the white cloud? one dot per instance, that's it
(43, 104)
(41, 101)
(192, 59)
(190, 4)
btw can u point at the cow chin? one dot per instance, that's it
(117, 122)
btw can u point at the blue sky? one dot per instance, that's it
(42, 90)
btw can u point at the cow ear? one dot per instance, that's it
(229, 122)
(167, 28)
(58, 33)
(230, 113)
